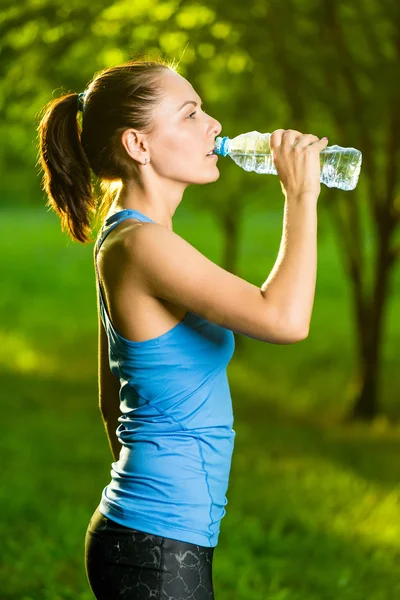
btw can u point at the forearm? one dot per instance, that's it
(291, 283)
(110, 419)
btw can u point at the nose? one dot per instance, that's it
(216, 128)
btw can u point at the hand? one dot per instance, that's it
(297, 161)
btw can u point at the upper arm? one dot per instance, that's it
(174, 270)
(109, 384)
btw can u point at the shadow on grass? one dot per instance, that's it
(289, 532)
(370, 451)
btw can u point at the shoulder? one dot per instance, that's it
(116, 259)
(154, 248)
(119, 238)
(145, 236)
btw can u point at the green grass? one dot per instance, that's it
(313, 506)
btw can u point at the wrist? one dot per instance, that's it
(303, 198)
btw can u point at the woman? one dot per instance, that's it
(167, 316)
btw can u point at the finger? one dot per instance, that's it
(306, 140)
(276, 137)
(293, 132)
(291, 137)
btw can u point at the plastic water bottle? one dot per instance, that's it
(340, 167)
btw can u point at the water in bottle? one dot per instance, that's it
(340, 167)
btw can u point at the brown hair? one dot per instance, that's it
(116, 99)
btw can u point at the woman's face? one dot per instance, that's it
(183, 135)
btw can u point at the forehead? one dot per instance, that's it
(177, 90)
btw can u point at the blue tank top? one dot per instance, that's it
(175, 425)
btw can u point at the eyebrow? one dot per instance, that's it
(189, 102)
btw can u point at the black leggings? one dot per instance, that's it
(126, 564)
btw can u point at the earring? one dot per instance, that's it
(145, 161)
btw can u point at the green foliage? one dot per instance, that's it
(313, 507)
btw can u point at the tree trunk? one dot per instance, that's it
(366, 382)
(230, 220)
(369, 336)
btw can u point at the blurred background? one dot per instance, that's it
(313, 503)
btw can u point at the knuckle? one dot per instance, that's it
(275, 136)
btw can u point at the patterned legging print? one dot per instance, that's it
(127, 564)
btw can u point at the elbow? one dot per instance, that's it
(293, 332)
(293, 335)
(301, 334)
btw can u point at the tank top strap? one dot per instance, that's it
(116, 218)
(109, 224)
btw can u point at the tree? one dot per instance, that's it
(330, 67)
(337, 64)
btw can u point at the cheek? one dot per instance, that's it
(176, 149)
(171, 142)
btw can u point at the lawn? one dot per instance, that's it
(313, 505)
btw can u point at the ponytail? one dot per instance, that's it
(67, 178)
(118, 98)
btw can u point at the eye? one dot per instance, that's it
(193, 113)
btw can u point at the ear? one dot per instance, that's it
(135, 144)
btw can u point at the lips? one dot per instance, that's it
(212, 150)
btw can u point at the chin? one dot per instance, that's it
(214, 176)
(207, 177)
(209, 180)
